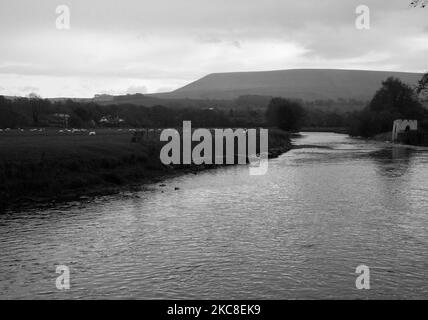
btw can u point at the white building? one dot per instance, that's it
(403, 126)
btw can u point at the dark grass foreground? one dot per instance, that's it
(45, 166)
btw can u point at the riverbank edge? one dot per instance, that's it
(14, 203)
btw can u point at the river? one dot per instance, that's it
(300, 231)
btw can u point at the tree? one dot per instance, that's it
(367, 123)
(394, 100)
(36, 107)
(397, 97)
(285, 114)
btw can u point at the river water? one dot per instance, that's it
(300, 231)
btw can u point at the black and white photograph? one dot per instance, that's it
(213, 150)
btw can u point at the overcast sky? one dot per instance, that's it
(128, 46)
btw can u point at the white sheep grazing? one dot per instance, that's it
(92, 133)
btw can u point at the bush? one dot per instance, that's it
(285, 114)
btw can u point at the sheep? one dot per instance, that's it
(92, 133)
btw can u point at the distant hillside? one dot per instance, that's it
(307, 84)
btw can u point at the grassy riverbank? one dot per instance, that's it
(343, 130)
(44, 166)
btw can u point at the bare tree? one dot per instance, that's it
(422, 87)
(419, 3)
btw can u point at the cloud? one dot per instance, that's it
(30, 89)
(170, 43)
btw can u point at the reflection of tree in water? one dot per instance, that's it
(393, 161)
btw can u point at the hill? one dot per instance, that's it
(307, 84)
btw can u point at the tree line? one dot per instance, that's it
(246, 111)
(33, 112)
(394, 100)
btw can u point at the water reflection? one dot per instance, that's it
(393, 161)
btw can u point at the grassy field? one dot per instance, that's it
(52, 164)
(51, 144)
(35, 166)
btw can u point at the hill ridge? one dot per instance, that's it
(307, 84)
